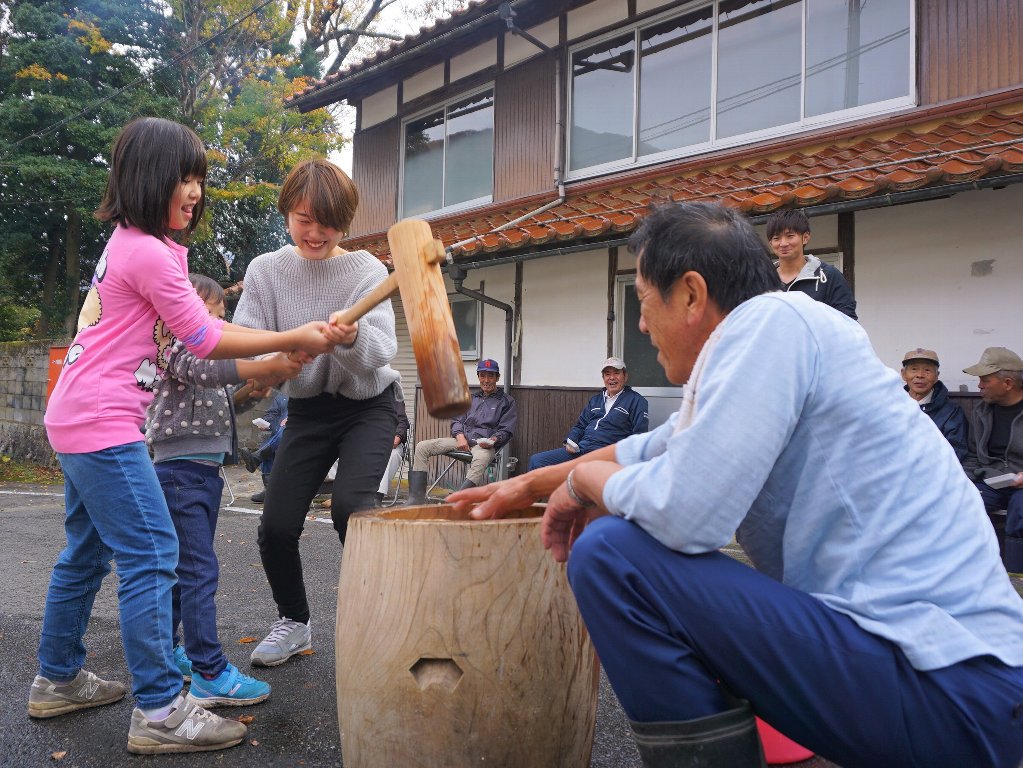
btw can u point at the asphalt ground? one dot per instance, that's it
(296, 727)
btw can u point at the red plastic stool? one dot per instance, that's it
(779, 749)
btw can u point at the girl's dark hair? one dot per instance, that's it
(206, 287)
(151, 156)
(717, 242)
(331, 195)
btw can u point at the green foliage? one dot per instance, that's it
(73, 72)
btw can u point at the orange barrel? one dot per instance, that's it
(459, 644)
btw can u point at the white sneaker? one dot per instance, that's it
(188, 728)
(285, 639)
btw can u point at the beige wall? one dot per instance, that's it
(945, 274)
(564, 319)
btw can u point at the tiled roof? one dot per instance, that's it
(945, 150)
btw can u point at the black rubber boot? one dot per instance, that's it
(416, 488)
(251, 459)
(467, 484)
(258, 496)
(728, 739)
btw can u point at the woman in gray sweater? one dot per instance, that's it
(340, 407)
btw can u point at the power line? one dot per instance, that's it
(180, 57)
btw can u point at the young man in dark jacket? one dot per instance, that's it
(609, 416)
(788, 232)
(920, 372)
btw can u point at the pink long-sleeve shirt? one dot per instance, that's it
(139, 303)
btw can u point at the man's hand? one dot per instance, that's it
(1018, 483)
(461, 443)
(495, 499)
(347, 332)
(571, 447)
(563, 521)
(397, 442)
(486, 442)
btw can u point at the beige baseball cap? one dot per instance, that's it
(995, 359)
(614, 362)
(928, 355)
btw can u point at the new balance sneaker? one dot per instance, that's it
(286, 638)
(183, 663)
(188, 728)
(229, 689)
(49, 699)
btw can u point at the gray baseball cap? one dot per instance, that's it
(995, 359)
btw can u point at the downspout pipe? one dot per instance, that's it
(457, 275)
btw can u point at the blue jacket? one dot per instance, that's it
(948, 417)
(595, 429)
(835, 480)
(495, 416)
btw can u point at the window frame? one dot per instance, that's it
(803, 124)
(626, 281)
(469, 354)
(419, 114)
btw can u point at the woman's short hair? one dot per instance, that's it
(150, 158)
(330, 194)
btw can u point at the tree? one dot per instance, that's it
(56, 58)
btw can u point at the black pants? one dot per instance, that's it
(359, 435)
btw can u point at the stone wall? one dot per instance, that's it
(24, 373)
(24, 369)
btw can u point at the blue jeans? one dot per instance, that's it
(114, 508)
(550, 458)
(1009, 499)
(193, 493)
(673, 630)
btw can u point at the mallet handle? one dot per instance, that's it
(386, 289)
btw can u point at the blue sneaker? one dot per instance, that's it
(183, 663)
(228, 689)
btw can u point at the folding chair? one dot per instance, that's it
(227, 484)
(405, 460)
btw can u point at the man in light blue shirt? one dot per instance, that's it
(878, 627)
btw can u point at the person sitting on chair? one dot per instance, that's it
(995, 446)
(483, 430)
(920, 372)
(611, 415)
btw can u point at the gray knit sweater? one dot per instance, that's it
(191, 412)
(283, 290)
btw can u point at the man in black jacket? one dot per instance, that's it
(788, 232)
(920, 372)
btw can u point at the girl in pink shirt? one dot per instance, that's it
(139, 304)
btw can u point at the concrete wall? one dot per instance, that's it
(23, 377)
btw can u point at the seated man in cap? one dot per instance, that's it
(488, 425)
(920, 372)
(995, 447)
(615, 413)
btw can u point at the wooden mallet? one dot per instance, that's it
(417, 257)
